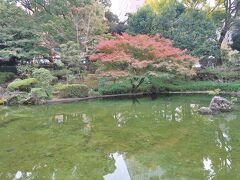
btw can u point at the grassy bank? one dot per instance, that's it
(160, 86)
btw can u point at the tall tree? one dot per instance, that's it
(231, 10)
(191, 30)
(195, 32)
(141, 22)
(18, 39)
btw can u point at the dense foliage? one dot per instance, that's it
(74, 91)
(189, 29)
(78, 48)
(126, 54)
(236, 37)
(195, 32)
(18, 38)
(6, 76)
(44, 78)
(22, 85)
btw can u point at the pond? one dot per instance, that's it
(120, 139)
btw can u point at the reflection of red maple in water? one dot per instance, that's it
(142, 51)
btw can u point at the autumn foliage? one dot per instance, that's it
(153, 53)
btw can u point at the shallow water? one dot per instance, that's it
(120, 139)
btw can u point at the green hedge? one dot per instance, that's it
(156, 85)
(60, 73)
(74, 91)
(123, 86)
(196, 86)
(22, 85)
(6, 76)
(40, 93)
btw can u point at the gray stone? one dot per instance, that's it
(220, 104)
(205, 111)
(2, 91)
(21, 98)
(237, 94)
(217, 104)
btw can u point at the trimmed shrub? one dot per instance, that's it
(22, 85)
(45, 79)
(74, 91)
(6, 76)
(93, 93)
(43, 76)
(122, 87)
(59, 87)
(60, 74)
(196, 86)
(26, 70)
(225, 74)
(40, 93)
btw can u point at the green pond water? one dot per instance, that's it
(120, 139)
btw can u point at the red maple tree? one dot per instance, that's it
(139, 53)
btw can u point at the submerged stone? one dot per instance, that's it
(220, 104)
(205, 111)
(217, 104)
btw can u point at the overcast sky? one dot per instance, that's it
(121, 7)
(117, 5)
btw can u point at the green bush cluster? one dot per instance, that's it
(59, 86)
(73, 91)
(224, 74)
(22, 85)
(196, 86)
(43, 76)
(6, 76)
(93, 93)
(40, 93)
(163, 83)
(123, 86)
(26, 70)
(60, 74)
(45, 79)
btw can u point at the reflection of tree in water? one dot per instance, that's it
(165, 135)
(221, 162)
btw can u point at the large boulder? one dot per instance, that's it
(217, 104)
(21, 98)
(220, 104)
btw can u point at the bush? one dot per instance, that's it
(22, 85)
(74, 91)
(59, 87)
(40, 93)
(60, 73)
(45, 79)
(226, 74)
(196, 86)
(6, 76)
(93, 93)
(26, 70)
(122, 87)
(43, 76)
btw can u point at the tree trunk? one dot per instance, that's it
(134, 86)
(223, 33)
